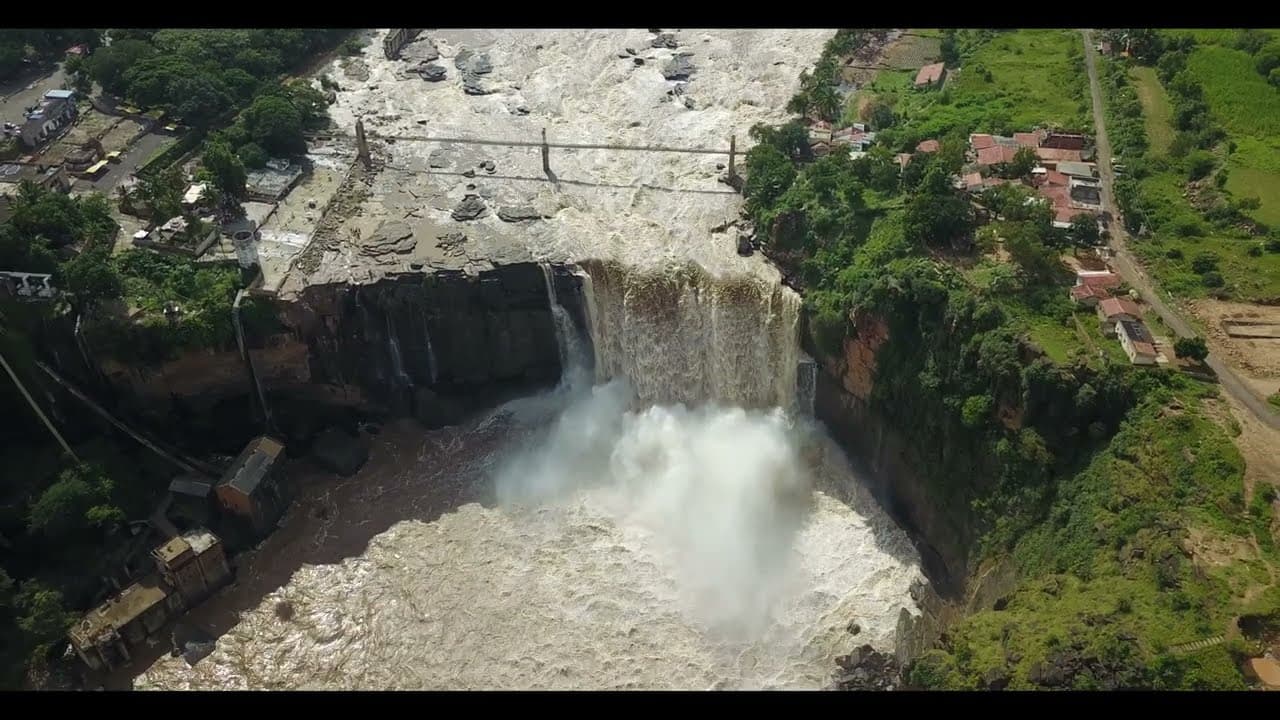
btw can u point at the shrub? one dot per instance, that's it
(1192, 347)
(1174, 254)
(1212, 279)
(1203, 262)
(1199, 164)
(1255, 251)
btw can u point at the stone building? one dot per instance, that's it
(252, 489)
(194, 565)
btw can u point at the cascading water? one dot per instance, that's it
(673, 524)
(397, 361)
(680, 335)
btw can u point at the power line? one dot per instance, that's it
(536, 144)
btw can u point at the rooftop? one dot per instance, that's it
(120, 610)
(928, 146)
(1078, 169)
(1112, 307)
(253, 464)
(930, 74)
(1058, 155)
(1027, 139)
(197, 541)
(272, 181)
(981, 140)
(186, 485)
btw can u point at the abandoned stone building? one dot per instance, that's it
(252, 488)
(188, 569)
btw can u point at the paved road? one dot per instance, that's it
(136, 154)
(1132, 271)
(29, 93)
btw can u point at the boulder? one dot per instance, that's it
(664, 40)
(434, 411)
(489, 166)
(745, 249)
(471, 84)
(338, 452)
(430, 52)
(480, 65)
(438, 159)
(468, 173)
(678, 68)
(518, 213)
(462, 58)
(389, 237)
(638, 61)
(631, 51)
(470, 208)
(432, 72)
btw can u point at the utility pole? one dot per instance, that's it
(361, 144)
(733, 154)
(47, 423)
(546, 154)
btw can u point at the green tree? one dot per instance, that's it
(253, 156)
(226, 169)
(64, 507)
(275, 124)
(1024, 161)
(976, 410)
(1084, 231)
(769, 174)
(107, 66)
(1199, 164)
(91, 277)
(1192, 347)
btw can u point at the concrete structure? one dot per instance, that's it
(27, 286)
(1137, 342)
(104, 636)
(1064, 141)
(1077, 169)
(1050, 157)
(195, 565)
(396, 39)
(252, 489)
(191, 499)
(194, 195)
(1085, 194)
(1115, 310)
(272, 182)
(55, 111)
(931, 76)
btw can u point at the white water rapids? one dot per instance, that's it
(675, 524)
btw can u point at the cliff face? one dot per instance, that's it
(843, 404)
(432, 345)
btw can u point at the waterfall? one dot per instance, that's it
(572, 356)
(806, 383)
(680, 335)
(397, 362)
(432, 366)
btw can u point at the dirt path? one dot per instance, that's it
(1132, 272)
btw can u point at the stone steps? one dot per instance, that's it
(1196, 646)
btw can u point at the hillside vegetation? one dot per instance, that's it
(1095, 478)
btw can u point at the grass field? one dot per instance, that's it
(1248, 279)
(1238, 96)
(1035, 80)
(1247, 182)
(1157, 111)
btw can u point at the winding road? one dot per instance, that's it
(1130, 269)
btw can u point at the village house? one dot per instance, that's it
(928, 146)
(56, 110)
(1087, 295)
(191, 500)
(1115, 310)
(931, 76)
(252, 488)
(188, 569)
(1050, 157)
(1082, 170)
(104, 636)
(1137, 342)
(195, 565)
